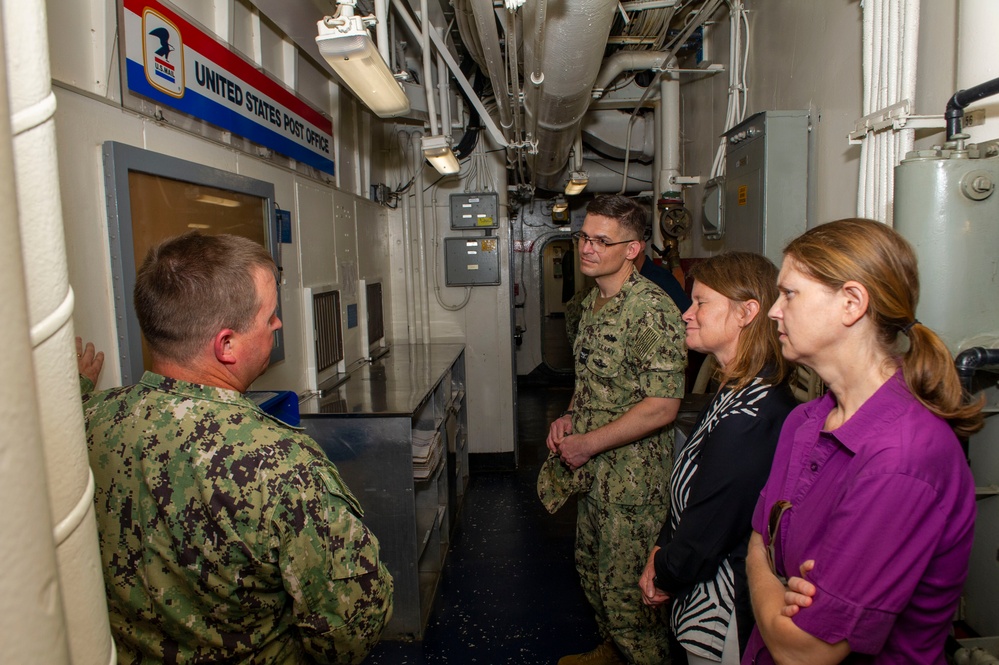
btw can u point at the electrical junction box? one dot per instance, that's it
(766, 198)
(471, 261)
(475, 211)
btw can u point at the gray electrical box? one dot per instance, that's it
(471, 261)
(766, 183)
(475, 211)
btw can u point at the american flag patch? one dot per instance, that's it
(647, 340)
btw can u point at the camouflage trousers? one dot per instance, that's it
(613, 542)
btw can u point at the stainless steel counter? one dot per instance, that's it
(367, 426)
(398, 383)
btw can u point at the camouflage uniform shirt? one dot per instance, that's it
(226, 535)
(631, 349)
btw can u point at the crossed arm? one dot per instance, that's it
(774, 605)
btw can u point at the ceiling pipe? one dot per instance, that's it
(669, 116)
(426, 58)
(532, 62)
(626, 61)
(381, 30)
(494, 131)
(568, 63)
(485, 23)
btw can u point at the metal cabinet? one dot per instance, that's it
(397, 432)
(767, 186)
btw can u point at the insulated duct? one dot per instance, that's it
(575, 38)
(607, 133)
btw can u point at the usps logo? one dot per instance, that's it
(162, 53)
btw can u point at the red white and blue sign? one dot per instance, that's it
(172, 61)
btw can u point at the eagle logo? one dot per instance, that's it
(163, 35)
(161, 41)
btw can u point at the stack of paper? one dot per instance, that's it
(427, 452)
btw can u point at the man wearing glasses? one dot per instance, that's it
(629, 360)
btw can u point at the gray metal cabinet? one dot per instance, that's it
(375, 427)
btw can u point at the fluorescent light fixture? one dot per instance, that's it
(560, 209)
(346, 45)
(437, 150)
(217, 200)
(577, 183)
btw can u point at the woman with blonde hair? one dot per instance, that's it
(870, 505)
(699, 558)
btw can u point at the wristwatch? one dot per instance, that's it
(567, 412)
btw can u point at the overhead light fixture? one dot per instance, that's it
(437, 150)
(577, 183)
(217, 200)
(346, 45)
(560, 209)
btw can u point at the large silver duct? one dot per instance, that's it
(607, 132)
(576, 33)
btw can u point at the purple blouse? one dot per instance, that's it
(885, 505)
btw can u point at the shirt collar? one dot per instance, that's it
(202, 392)
(881, 410)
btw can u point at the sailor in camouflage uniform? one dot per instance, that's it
(226, 535)
(630, 360)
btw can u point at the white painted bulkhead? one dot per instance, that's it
(805, 55)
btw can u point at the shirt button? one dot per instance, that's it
(815, 467)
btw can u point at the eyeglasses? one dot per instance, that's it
(598, 244)
(776, 513)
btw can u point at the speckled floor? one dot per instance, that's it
(509, 592)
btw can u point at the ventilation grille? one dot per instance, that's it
(376, 324)
(329, 335)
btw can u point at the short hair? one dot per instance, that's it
(875, 255)
(191, 286)
(740, 277)
(627, 212)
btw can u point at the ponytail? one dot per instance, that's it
(884, 262)
(929, 373)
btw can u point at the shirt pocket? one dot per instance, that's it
(606, 361)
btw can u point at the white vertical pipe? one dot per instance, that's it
(977, 61)
(31, 611)
(657, 166)
(407, 240)
(381, 30)
(50, 308)
(891, 29)
(421, 236)
(669, 95)
(407, 258)
(668, 144)
(445, 94)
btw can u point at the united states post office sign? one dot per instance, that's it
(173, 62)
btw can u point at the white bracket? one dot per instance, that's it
(685, 180)
(895, 117)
